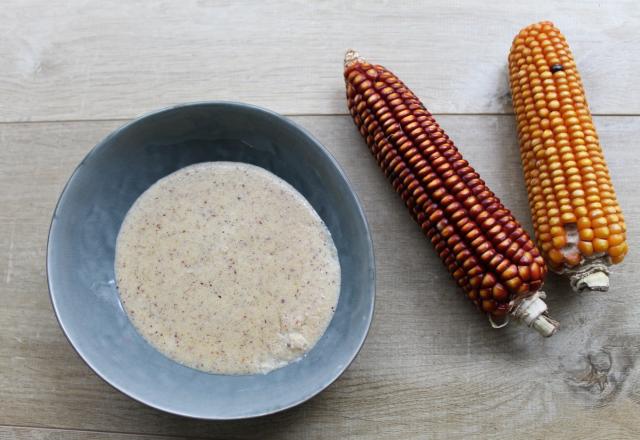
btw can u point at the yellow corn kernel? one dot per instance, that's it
(616, 239)
(586, 234)
(619, 250)
(559, 241)
(586, 248)
(600, 245)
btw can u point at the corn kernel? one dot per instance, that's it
(615, 228)
(584, 222)
(586, 234)
(618, 250)
(559, 241)
(601, 232)
(568, 217)
(586, 248)
(615, 239)
(600, 245)
(555, 256)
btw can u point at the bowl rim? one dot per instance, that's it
(360, 210)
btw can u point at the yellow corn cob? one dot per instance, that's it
(578, 222)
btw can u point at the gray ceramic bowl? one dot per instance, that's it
(87, 219)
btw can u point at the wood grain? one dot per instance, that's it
(27, 433)
(431, 366)
(72, 60)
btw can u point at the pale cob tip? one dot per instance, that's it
(533, 312)
(350, 57)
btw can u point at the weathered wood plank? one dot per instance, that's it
(28, 433)
(63, 60)
(431, 365)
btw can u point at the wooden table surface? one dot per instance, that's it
(72, 71)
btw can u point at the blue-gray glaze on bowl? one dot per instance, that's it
(85, 225)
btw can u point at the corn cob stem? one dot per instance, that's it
(532, 311)
(578, 223)
(484, 248)
(593, 276)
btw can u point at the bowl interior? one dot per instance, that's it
(82, 244)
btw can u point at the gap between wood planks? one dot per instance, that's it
(134, 435)
(293, 115)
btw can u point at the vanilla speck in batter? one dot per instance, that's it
(225, 267)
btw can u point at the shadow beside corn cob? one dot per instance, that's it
(484, 248)
(578, 223)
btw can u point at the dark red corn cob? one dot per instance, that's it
(485, 249)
